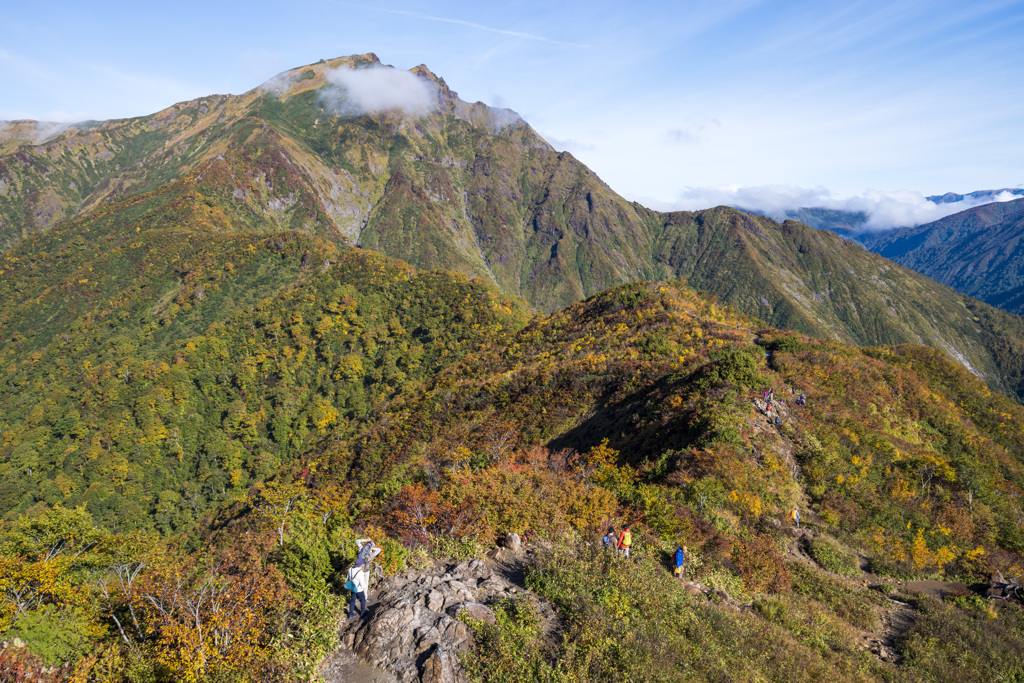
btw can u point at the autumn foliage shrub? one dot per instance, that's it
(761, 565)
(213, 616)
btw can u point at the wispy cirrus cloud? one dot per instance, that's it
(469, 24)
(691, 133)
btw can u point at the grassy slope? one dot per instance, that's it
(900, 455)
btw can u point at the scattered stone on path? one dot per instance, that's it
(512, 542)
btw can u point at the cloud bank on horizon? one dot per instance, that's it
(884, 210)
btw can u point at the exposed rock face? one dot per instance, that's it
(412, 631)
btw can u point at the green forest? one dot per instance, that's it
(179, 505)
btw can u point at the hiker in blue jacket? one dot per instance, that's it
(680, 559)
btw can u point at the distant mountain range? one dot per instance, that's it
(978, 252)
(986, 196)
(853, 225)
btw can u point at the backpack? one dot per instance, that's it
(349, 585)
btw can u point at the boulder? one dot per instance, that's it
(435, 601)
(512, 542)
(492, 585)
(442, 667)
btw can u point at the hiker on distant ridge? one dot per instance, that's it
(358, 581)
(795, 516)
(625, 541)
(680, 559)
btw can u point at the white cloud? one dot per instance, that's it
(32, 132)
(885, 210)
(378, 88)
(277, 85)
(691, 133)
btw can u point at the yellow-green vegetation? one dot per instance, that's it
(148, 433)
(632, 621)
(208, 394)
(833, 557)
(425, 410)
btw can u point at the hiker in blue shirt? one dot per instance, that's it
(680, 559)
(609, 540)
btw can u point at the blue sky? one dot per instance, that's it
(674, 103)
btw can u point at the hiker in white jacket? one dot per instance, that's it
(359, 575)
(369, 554)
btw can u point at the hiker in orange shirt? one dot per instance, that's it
(625, 541)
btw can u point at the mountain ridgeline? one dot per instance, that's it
(465, 188)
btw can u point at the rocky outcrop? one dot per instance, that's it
(1000, 588)
(415, 627)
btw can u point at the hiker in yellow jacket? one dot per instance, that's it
(795, 516)
(625, 541)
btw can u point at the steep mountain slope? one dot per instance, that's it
(150, 416)
(977, 252)
(465, 188)
(425, 411)
(654, 396)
